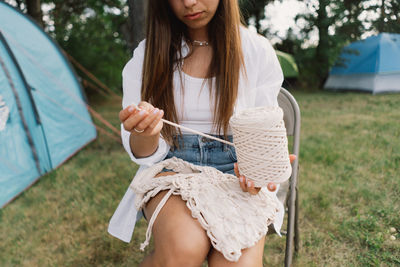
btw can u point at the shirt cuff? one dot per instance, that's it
(157, 156)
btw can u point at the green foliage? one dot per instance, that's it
(389, 19)
(348, 25)
(90, 31)
(338, 23)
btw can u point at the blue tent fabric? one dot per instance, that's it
(389, 60)
(36, 75)
(372, 65)
(376, 54)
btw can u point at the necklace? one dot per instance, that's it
(200, 43)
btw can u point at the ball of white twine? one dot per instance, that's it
(259, 135)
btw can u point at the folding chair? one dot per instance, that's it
(288, 192)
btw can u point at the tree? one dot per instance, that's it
(389, 16)
(134, 28)
(321, 56)
(254, 10)
(34, 10)
(137, 11)
(323, 22)
(31, 7)
(90, 31)
(338, 23)
(348, 25)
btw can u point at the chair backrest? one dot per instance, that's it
(291, 117)
(288, 190)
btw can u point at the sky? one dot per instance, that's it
(281, 16)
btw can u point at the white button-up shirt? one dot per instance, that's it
(259, 85)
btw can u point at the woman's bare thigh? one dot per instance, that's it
(251, 257)
(152, 204)
(175, 226)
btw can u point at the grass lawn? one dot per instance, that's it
(349, 194)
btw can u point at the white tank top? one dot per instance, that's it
(193, 103)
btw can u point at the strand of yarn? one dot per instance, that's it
(199, 133)
(192, 131)
(153, 218)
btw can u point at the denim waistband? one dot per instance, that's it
(197, 141)
(203, 151)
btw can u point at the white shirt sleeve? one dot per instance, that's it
(131, 84)
(270, 76)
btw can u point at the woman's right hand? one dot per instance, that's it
(143, 120)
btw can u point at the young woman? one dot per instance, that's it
(197, 66)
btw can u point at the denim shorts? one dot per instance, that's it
(203, 151)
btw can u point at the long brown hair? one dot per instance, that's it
(164, 37)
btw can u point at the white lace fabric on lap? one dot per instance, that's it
(233, 219)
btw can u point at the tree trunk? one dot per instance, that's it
(35, 11)
(134, 29)
(322, 50)
(258, 25)
(19, 4)
(382, 18)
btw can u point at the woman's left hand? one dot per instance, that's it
(247, 185)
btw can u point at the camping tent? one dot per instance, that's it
(43, 114)
(371, 65)
(288, 64)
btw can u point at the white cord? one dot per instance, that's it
(191, 130)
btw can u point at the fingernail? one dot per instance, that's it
(155, 111)
(141, 113)
(271, 187)
(131, 109)
(248, 183)
(241, 179)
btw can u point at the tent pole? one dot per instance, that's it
(24, 124)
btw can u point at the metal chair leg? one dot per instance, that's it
(296, 224)
(290, 229)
